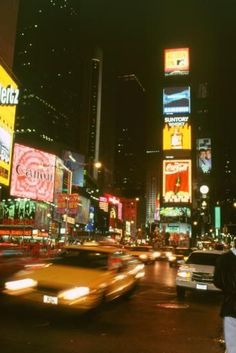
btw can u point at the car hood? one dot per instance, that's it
(59, 276)
(197, 268)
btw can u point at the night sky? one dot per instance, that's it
(133, 34)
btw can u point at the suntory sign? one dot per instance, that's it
(9, 97)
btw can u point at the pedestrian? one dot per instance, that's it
(225, 279)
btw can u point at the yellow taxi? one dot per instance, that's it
(82, 277)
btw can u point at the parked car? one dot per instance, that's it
(197, 272)
(144, 253)
(80, 278)
(179, 256)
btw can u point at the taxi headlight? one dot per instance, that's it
(143, 256)
(20, 284)
(74, 293)
(184, 274)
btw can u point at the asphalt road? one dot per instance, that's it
(152, 321)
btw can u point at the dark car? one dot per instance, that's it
(197, 273)
(178, 257)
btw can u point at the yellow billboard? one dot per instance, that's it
(176, 61)
(176, 133)
(9, 95)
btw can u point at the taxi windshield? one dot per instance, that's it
(84, 259)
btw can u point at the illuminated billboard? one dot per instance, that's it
(9, 94)
(176, 61)
(179, 233)
(176, 100)
(82, 215)
(32, 174)
(58, 177)
(18, 212)
(181, 214)
(204, 162)
(177, 133)
(75, 162)
(177, 186)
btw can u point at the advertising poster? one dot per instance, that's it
(204, 162)
(67, 203)
(75, 162)
(179, 234)
(91, 222)
(41, 215)
(176, 61)
(103, 203)
(8, 100)
(176, 100)
(180, 214)
(82, 216)
(18, 211)
(177, 133)
(32, 174)
(58, 178)
(177, 186)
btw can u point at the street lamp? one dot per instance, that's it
(97, 165)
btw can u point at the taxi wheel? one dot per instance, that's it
(130, 292)
(101, 304)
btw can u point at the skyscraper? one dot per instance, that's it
(57, 69)
(8, 20)
(129, 167)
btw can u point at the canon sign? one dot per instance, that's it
(31, 173)
(9, 95)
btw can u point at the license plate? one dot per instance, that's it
(50, 300)
(201, 286)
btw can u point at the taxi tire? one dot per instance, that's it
(130, 293)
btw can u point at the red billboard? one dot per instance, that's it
(32, 174)
(177, 187)
(67, 203)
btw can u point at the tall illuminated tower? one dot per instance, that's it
(94, 113)
(176, 200)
